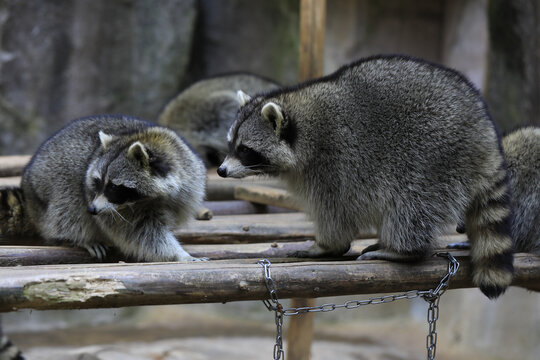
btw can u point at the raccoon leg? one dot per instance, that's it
(330, 240)
(155, 244)
(400, 239)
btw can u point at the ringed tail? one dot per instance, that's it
(489, 229)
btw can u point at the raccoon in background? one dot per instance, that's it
(389, 141)
(112, 181)
(204, 111)
(522, 151)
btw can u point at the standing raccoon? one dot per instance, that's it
(204, 111)
(114, 180)
(392, 142)
(522, 151)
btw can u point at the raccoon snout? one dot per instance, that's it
(92, 210)
(222, 171)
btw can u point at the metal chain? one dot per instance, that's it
(273, 304)
(431, 296)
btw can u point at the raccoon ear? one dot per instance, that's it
(243, 98)
(105, 139)
(138, 152)
(272, 113)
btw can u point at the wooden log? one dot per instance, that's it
(13, 181)
(239, 207)
(115, 285)
(247, 228)
(13, 165)
(48, 255)
(223, 189)
(267, 196)
(312, 28)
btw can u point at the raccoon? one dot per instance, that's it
(522, 151)
(389, 141)
(113, 180)
(204, 111)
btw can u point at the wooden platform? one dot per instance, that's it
(40, 277)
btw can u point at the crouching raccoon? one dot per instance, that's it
(392, 142)
(111, 181)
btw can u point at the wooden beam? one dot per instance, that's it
(267, 196)
(247, 228)
(311, 57)
(115, 285)
(312, 28)
(13, 165)
(11, 255)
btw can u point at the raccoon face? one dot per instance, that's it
(260, 141)
(125, 175)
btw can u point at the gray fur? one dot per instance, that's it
(204, 111)
(522, 151)
(391, 142)
(89, 165)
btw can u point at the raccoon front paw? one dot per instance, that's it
(98, 251)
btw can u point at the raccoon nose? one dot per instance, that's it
(92, 210)
(222, 171)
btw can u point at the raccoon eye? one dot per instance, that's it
(242, 149)
(120, 194)
(96, 183)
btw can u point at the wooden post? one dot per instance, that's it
(312, 26)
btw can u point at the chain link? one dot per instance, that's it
(432, 297)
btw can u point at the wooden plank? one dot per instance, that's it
(11, 255)
(13, 165)
(267, 196)
(13, 181)
(247, 228)
(48, 255)
(115, 285)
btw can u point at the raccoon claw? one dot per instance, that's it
(199, 259)
(465, 245)
(97, 250)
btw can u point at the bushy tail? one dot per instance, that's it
(489, 229)
(13, 220)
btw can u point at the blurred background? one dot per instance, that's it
(64, 59)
